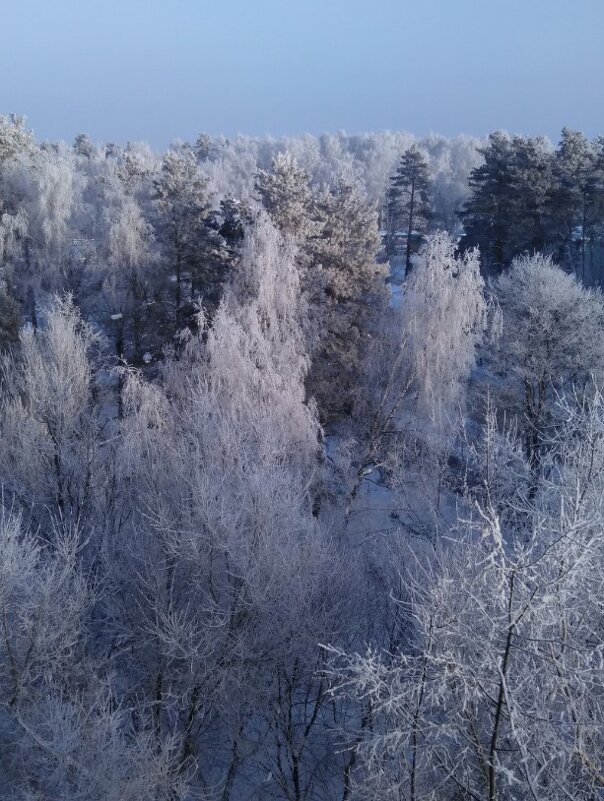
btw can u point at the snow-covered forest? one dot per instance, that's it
(302, 468)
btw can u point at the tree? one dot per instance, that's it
(15, 139)
(335, 232)
(228, 580)
(508, 209)
(409, 201)
(451, 162)
(50, 463)
(531, 179)
(412, 391)
(127, 282)
(421, 378)
(57, 191)
(570, 203)
(62, 730)
(527, 198)
(17, 152)
(496, 691)
(594, 224)
(444, 321)
(349, 295)
(286, 195)
(550, 341)
(10, 316)
(192, 245)
(82, 146)
(204, 147)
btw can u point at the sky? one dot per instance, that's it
(160, 70)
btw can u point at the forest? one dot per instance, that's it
(302, 468)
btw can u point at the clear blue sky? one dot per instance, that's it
(165, 69)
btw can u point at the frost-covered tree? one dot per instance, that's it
(549, 342)
(17, 151)
(15, 138)
(83, 146)
(10, 317)
(286, 195)
(348, 295)
(136, 168)
(228, 581)
(497, 691)
(451, 161)
(347, 244)
(57, 190)
(49, 454)
(335, 232)
(62, 730)
(444, 318)
(127, 283)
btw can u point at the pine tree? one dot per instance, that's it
(530, 175)
(10, 317)
(487, 216)
(191, 241)
(335, 232)
(570, 200)
(287, 196)
(508, 211)
(82, 146)
(352, 291)
(409, 201)
(595, 211)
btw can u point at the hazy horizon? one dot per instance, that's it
(159, 72)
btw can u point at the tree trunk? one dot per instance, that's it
(410, 228)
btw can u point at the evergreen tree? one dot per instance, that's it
(233, 219)
(82, 146)
(530, 175)
(191, 242)
(336, 234)
(204, 147)
(409, 201)
(570, 202)
(352, 291)
(287, 196)
(595, 212)
(487, 216)
(10, 317)
(508, 211)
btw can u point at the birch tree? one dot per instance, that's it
(498, 692)
(444, 320)
(550, 342)
(50, 459)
